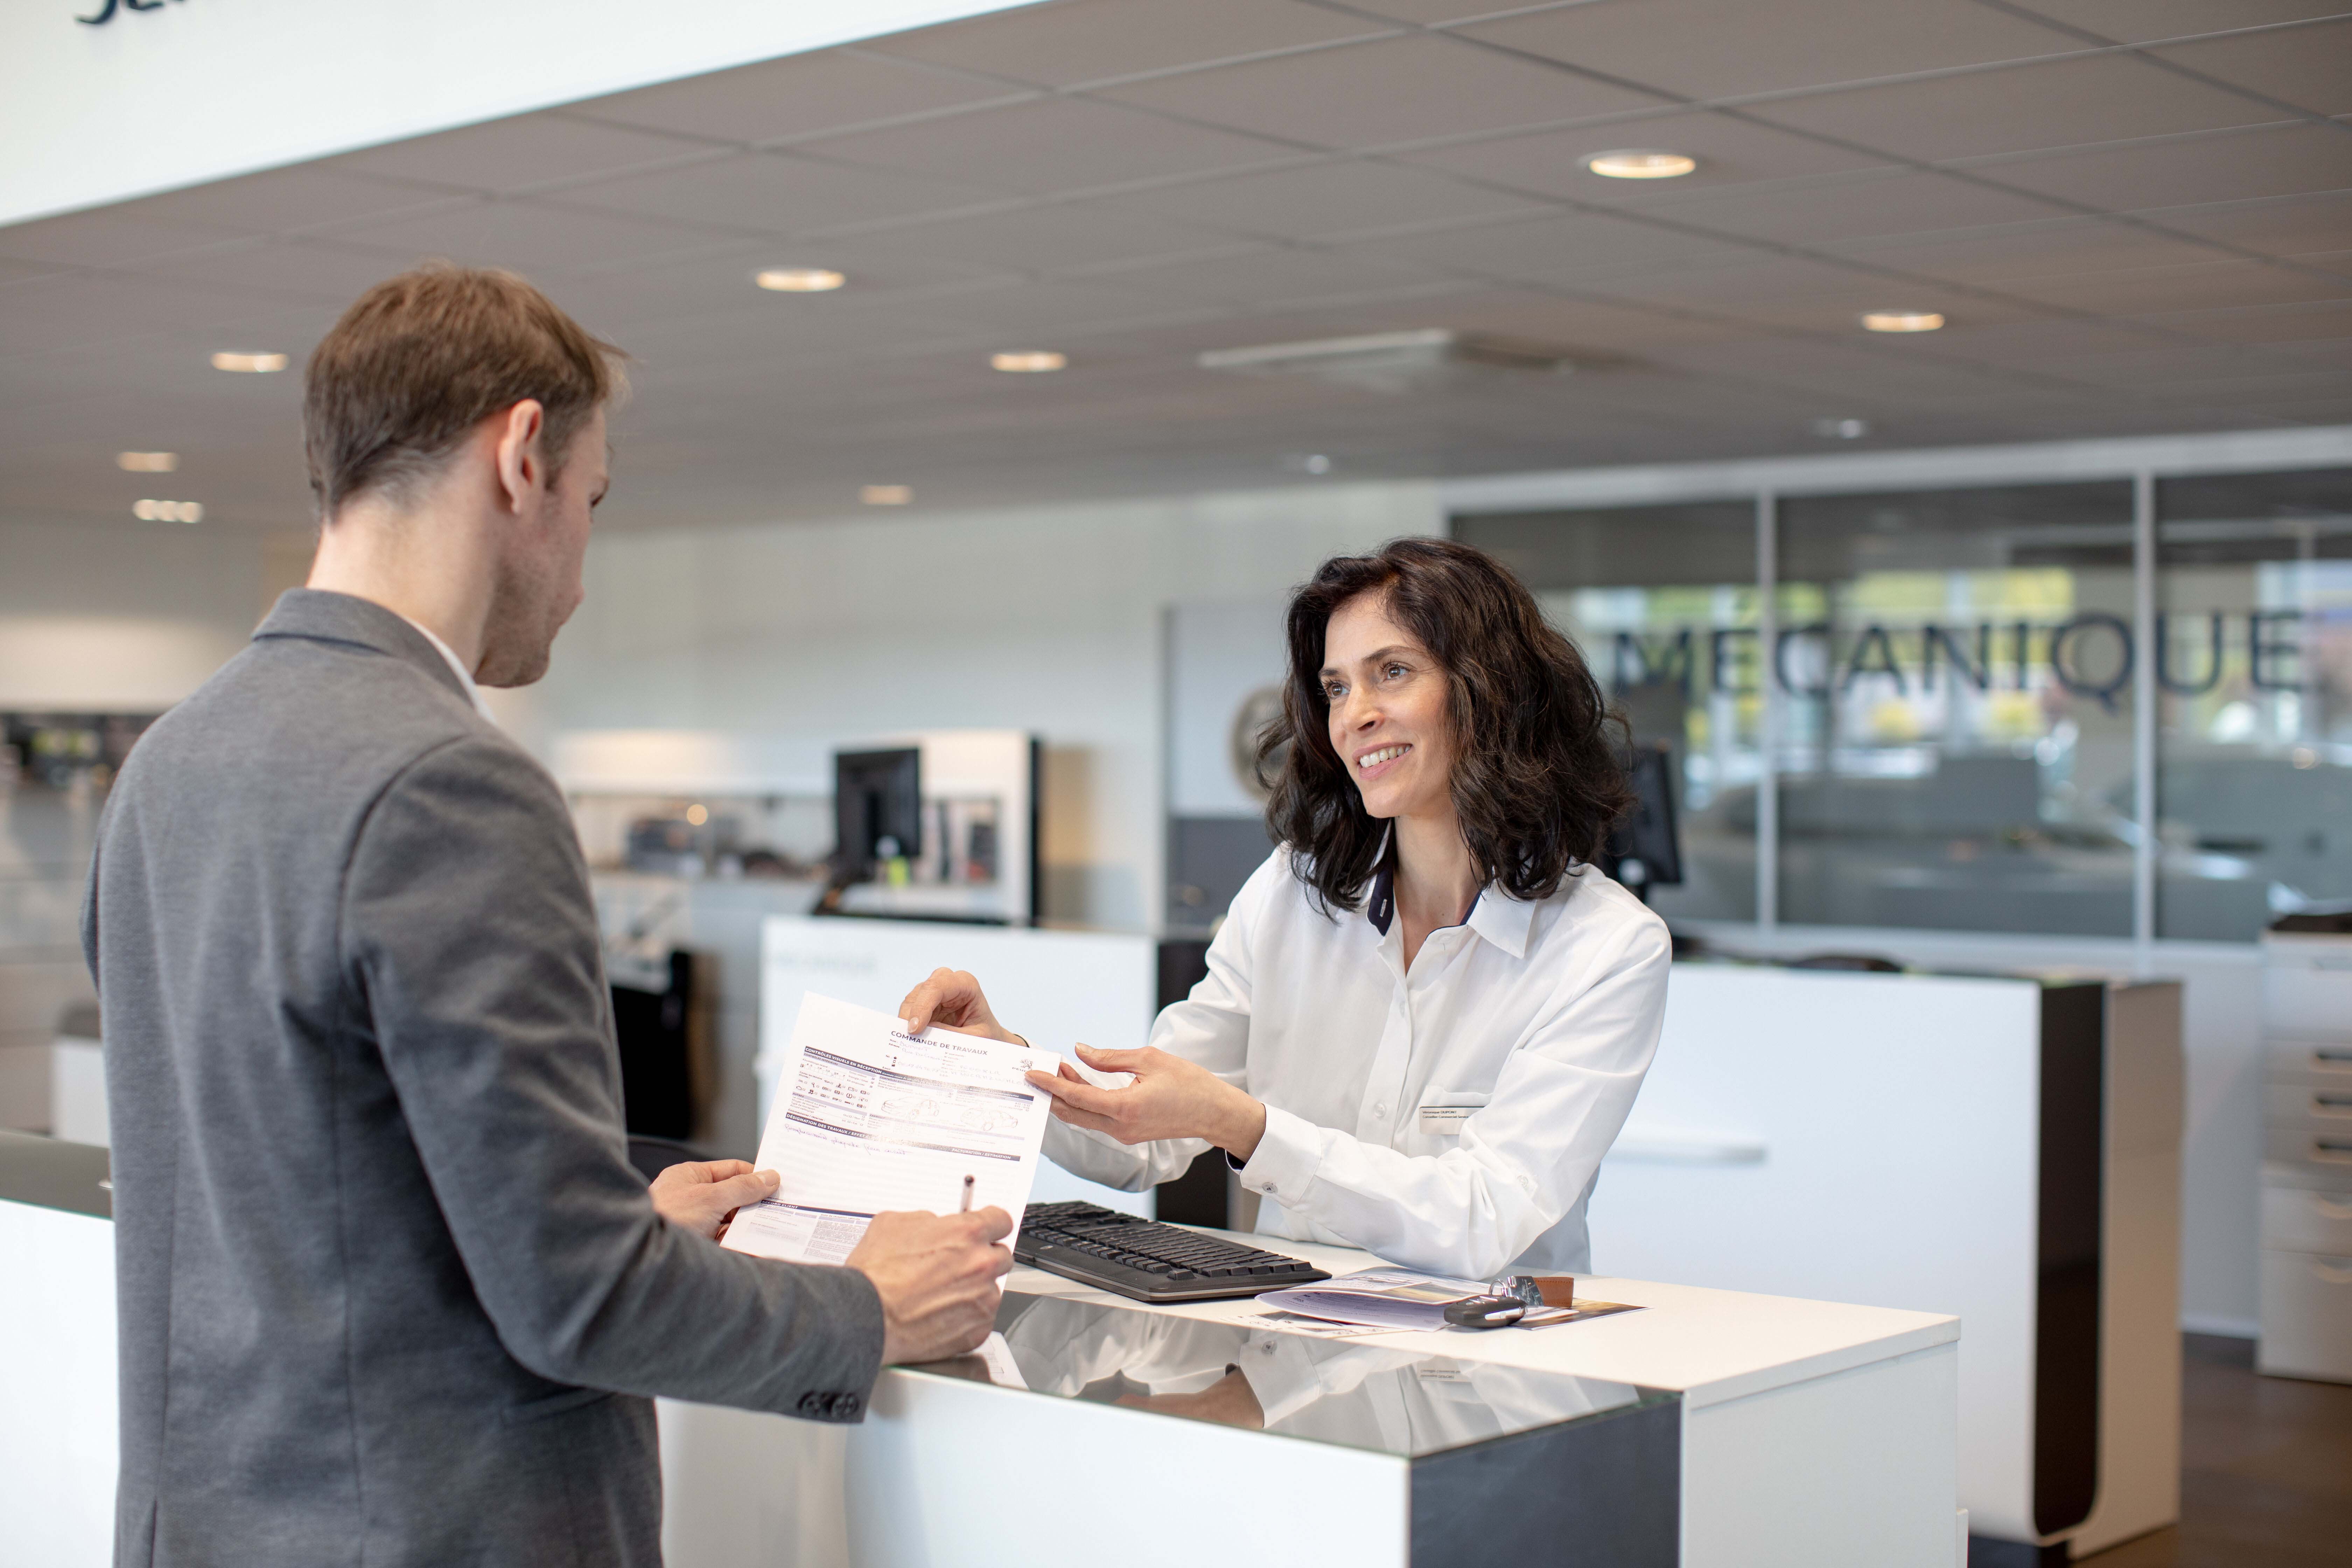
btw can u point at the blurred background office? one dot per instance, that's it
(1934, 420)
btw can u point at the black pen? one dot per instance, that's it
(966, 1208)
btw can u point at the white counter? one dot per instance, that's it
(1812, 1434)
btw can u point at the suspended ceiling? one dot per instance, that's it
(2137, 215)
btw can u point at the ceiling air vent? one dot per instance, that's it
(1395, 362)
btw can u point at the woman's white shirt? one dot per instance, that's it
(1451, 1119)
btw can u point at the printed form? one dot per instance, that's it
(875, 1118)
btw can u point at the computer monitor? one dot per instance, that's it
(878, 809)
(1643, 851)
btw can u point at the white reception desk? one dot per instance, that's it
(1711, 1428)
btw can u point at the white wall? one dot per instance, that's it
(174, 95)
(1045, 619)
(93, 618)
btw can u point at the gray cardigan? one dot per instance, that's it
(389, 1290)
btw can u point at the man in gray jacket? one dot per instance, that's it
(389, 1290)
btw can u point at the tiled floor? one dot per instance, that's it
(2265, 1470)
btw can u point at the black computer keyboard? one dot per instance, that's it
(1146, 1260)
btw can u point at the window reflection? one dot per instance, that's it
(1956, 747)
(1662, 601)
(2255, 588)
(1955, 674)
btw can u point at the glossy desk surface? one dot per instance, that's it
(1358, 1393)
(1706, 1346)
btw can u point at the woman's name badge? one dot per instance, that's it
(1442, 1114)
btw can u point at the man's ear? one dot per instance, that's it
(522, 464)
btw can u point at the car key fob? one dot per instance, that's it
(1485, 1312)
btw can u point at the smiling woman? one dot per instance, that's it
(1426, 1015)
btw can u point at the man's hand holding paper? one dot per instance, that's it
(877, 1130)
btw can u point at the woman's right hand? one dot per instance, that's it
(951, 999)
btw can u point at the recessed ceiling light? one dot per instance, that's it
(1637, 164)
(1903, 320)
(886, 495)
(168, 512)
(800, 279)
(147, 462)
(255, 364)
(1842, 429)
(1029, 360)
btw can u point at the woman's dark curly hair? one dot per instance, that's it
(1538, 775)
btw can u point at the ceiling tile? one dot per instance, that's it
(1711, 48)
(1437, 12)
(1789, 291)
(526, 236)
(1270, 277)
(1370, 95)
(13, 271)
(1730, 151)
(1847, 373)
(280, 200)
(2150, 364)
(46, 314)
(2310, 67)
(1329, 198)
(106, 237)
(1053, 145)
(1050, 308)
(1049, 238)
(1575, 323)
(2283, 225)
(2208, 285)
(774, 193)
(2264, 323)
(620, 298)
(283, 269)
(513, 154)
(1091, 40)
(800, 96)
(1858, 206)
(2153, 176)
(2039, 341)
(2064, 104)
(2037, 251)
(2137, 21)
(1564, 250)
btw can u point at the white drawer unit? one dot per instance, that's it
(2306, 1315)
(2305, 1219)
(2307, 985)
(2306, 1201)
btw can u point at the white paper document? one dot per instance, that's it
(874, 1118)
(1386, 1299)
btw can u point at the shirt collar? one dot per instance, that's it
(465, 676)
(1494, 914)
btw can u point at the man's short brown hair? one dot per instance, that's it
(421, 359)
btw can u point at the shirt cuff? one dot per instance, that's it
(1288, 1153)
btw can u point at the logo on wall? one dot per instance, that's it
(108, 9)
(1258, 709)
(2089, 655)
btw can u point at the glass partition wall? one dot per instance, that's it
(1956, 750)
(1963, 735)
(2254, 591)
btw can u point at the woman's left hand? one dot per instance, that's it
(1170, 1098)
